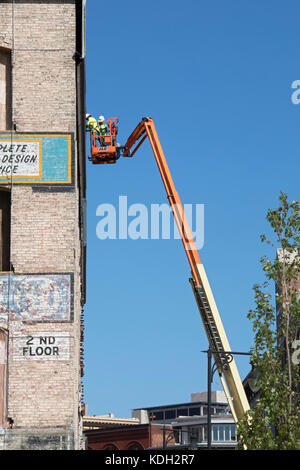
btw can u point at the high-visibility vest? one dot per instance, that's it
(102, 129)
(92, 123)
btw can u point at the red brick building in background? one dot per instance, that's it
(130, 437)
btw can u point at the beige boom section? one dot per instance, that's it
(219, 344)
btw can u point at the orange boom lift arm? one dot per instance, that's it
(211, 319)
(146, 129)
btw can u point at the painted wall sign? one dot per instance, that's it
(36, 159)
(20, 159)
(42, 346)
(36, 297)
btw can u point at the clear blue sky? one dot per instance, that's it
(216, 78)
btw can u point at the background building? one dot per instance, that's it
(179, 426)
(127, 437)
(196, 407)
(192, 431)
(188, 421)
(42, 239)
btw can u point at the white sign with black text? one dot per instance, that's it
(41, 347)
(22, 158)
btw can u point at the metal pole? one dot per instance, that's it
(210, 374)
(164, 436)
(209, 380)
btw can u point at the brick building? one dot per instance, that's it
(130, 437)
(42, 213)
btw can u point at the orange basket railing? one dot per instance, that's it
(108, 139)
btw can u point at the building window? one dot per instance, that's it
(215, 434)
(5, 90)
(194, 435)
(185, 435)
(182, 412)
(170, 414)
(205, 409)
(156, 415)
(194, 411)
(135, 446)
(232, 436)
(223, 432)
(220, 411)
(110, 447)
(5, 215)
(204, 433)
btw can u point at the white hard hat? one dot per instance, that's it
(101, 118)
(87, 116)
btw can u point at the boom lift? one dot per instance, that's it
(211, 319)
(109, 152)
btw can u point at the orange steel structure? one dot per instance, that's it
(146, 129)
(211, 319)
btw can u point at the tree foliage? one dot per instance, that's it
(274, 422)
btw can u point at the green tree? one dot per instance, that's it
(274, 422)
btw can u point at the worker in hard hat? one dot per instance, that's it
(93, 126)
(103, 130)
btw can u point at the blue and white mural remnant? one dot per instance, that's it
(36, 297)
(36, 159)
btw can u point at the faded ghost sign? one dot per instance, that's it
(36, 297)
(21, 159)
(42, 346)
(37, 159)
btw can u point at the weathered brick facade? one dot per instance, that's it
(42, 296)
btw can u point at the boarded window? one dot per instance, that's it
(5, 90)
(4, 230)
(3, 365)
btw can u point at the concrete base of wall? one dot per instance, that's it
(36, 439)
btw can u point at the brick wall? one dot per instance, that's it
(43, 46)
(46, 439)
(45, 235)
(50, 246)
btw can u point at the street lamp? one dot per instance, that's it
(211, 369)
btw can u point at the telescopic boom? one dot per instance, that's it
(211, 319)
